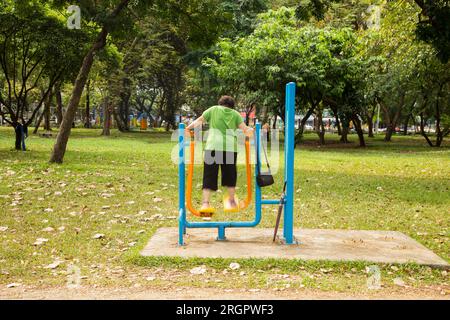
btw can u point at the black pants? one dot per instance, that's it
(226, 161)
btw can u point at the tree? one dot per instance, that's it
(110, 21)
(201, 19)
(279, 51)
(391, 75)
(433, 101)
(432, 25)
(36, 50)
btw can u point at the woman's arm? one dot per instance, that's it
(196, 123)
(248, 131)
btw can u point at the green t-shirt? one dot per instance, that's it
(223, 123)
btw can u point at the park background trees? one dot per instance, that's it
(169, 59)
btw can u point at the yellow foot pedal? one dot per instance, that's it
(206, 212)
(227, 207)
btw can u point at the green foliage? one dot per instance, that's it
(279, 51)
(37, 50)
(406, 74)
(434, 26)
(244, 13)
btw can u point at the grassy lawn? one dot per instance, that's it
(98, 209)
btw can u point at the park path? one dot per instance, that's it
(63, 293)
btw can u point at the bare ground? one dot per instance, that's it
(101, 293)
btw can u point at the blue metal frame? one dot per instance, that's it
(289, 133)
(288, 226)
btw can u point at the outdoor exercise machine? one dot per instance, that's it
(286, 202)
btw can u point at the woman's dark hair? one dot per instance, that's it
(227, 101)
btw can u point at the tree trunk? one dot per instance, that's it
(405, 125)
(336, 117)
(392, 121)
(107, 110)
(392, 124)
(422, 131)
(122, 110)
(87, 114)
(439, 133)
(359, 131)
(338, 125)
(319, 128)
(38, 122)
(265, 115)
(120, 125)
(344, 136)
(47, 104)
(301, 128)
(345, 130)
(60, 146)
(59, 106)
(370, 123)
(389, 132)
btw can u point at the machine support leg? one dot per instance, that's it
(181, 186)
(181, 231)
(288, 224)
(221, 234)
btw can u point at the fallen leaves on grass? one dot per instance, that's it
(10, 173)
(107, 195)
(53, 265)
(98, 236)
(234, 266)
(198, 270)
(40, 241)
(399, 282)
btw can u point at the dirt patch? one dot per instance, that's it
(101, 293)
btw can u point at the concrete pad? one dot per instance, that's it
(313, 244)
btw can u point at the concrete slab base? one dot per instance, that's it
(313, 244)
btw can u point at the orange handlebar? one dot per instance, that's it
(190, 176)
(189, 205)
(249, 174)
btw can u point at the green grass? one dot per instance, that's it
(403, 186)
